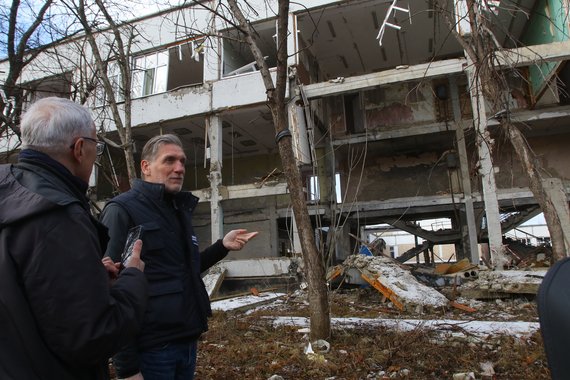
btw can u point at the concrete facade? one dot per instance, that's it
(389, 125)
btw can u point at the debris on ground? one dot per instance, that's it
(245, 302)
(372, 339)
(523, 255)
(443, 321)
(503, 284)
(213, 280)
(395, 282)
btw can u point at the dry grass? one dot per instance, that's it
(246, 346)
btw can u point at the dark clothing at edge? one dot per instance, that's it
(178, 302)
(59, 317)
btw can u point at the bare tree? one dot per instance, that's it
(22, 44)
(481, 48)
(314, 266)
(118, 39)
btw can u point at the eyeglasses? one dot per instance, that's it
(100, 144)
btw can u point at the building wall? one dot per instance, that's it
(552, 154)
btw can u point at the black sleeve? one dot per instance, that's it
(118, 221)
(82, 319)
(212, 255)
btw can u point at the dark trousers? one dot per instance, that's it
(175, 361)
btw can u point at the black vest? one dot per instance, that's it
(178, 302)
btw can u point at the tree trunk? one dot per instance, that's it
(541, 194)
(314, 266)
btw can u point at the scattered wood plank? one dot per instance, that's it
(387, 292)
(334, 272)
(463, 307)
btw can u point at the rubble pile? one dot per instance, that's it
(523, 255)
(395, 282)
(501, 284)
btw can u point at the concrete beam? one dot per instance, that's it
(555, 51)
(528, 55)
(399, 74)
(415, 130)
(252, 190)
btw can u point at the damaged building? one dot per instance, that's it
(385, 119)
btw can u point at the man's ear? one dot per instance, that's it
(77, 150)
(145, 168)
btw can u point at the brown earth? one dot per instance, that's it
(246, 345)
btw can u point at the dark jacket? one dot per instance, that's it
(59, 317)
(178, 302)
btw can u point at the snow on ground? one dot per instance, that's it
(479, 328)
(245, 301)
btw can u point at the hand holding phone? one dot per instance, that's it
(132, 251)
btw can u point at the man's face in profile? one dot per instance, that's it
(166, 168)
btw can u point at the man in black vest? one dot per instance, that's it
(178, 305)
(59, 316)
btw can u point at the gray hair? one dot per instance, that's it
(151, 147)
(51, 124)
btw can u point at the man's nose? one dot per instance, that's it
(179, 168)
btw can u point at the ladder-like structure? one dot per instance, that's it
(391, 9)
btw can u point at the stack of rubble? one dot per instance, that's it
(394, 281)
(502, 284)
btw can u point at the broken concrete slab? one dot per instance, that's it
(245, 302)
(395, 282)
(213, 280)
(259, 267)
(428, 277)
(499, 284)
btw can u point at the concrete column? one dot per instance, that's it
(274, 231)
(467, 218)
(484, 146)
(296, 241)
(214, 126)
(298, 127)
(555, 188)
(292, 41)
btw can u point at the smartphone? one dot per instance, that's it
(134, 234)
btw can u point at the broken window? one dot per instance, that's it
(57, 85)
(314, 192)
(186, 64)
(237, 57)
(150, 74)
(353, 113)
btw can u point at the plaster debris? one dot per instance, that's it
(213, 280)
(396, 282)
(245, 302)
(497, 284)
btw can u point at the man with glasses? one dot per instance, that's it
(99, 144)
(60, 318)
